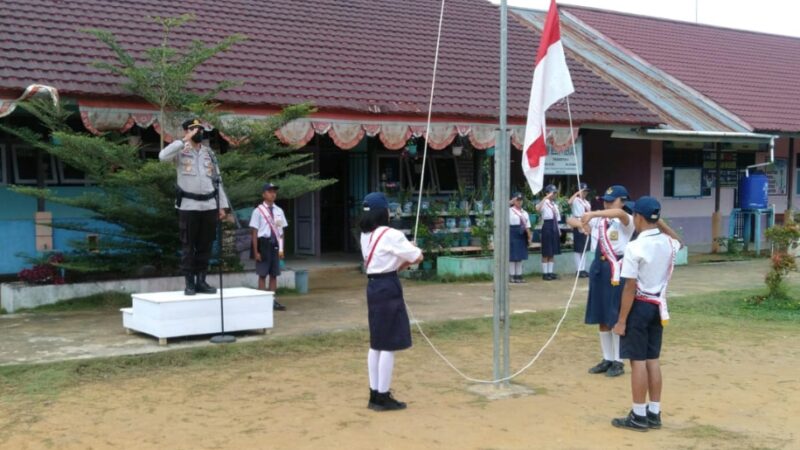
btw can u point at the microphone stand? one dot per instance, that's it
(221, 338)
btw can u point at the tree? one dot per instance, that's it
(134, 198)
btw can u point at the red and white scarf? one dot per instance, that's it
(267, 215)
(607, 250)
(523, 219)
(659, 298)
(372, 249)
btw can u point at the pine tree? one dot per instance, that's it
(134, 197)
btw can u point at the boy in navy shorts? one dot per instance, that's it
(647, 268)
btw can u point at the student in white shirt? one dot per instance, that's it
(519, 239)
(647, 268)
(580, 206)
(551, 234)
(267, 223)
(386, 251)
(613, 228)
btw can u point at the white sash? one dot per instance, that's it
(267, 214)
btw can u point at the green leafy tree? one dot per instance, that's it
(133, 197)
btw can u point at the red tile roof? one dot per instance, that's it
(754, 75)
(366, 56)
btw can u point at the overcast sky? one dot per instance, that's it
(769, 16)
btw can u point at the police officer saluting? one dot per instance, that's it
(197, 178)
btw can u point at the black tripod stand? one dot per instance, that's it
(221, 338)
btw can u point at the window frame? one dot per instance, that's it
(52, 179)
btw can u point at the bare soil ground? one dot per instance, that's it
(728, 385)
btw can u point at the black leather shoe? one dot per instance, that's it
(386, 402)
(617, 368)
(583, 274)
(520, 279)
(202, 287)
(602, 367)
(277, 306)
(373, 395)
(631, 422)
(554, 276)
(653, 420)
(190, 288)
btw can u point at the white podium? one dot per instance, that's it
(172, 314)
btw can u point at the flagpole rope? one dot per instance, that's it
(416, 226)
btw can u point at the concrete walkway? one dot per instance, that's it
(336, 302)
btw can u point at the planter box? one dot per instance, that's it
(474, 265)
(17, 295)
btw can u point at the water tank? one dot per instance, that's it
(753, 191)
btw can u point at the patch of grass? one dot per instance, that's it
(710, 432)
(734, 305)
(105, 300)
(284, 291)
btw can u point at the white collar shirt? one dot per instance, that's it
(580, 206)
(518, 217)
(550, 210)
(390, 251)
(649, 260)
(259, 221)
(617, 233)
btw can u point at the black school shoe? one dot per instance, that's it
(617, 368)
(583, 274)
(653, 420)
(601, 367)
(277, 306)
(373, 394)
(631, 422)
(386, 402)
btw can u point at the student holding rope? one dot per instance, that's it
(551, 234)
(647, 268)
(519, 239)
(613, 228)
(386, 251)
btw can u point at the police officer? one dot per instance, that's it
(197, 180)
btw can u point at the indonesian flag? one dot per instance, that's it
(551, 83)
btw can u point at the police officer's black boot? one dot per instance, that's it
(190, 288)
(202, 287)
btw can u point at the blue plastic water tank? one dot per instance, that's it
(753, 191)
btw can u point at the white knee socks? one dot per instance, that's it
(615, 338)
(380, 365)
(607, 345)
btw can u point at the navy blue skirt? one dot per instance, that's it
(579, 240)
(518, 241)
(389, 329)
(604, 299)
(551, 238)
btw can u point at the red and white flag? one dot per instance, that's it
(551, 83)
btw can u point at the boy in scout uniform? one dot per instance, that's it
(647, 268)
(267, 223)
(197, 180)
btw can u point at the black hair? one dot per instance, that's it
(373, 219)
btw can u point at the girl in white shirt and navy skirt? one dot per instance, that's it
(551, 235)
(580, 206)
(519, 239)
(386, 251)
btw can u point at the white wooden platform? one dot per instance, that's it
(172, 314)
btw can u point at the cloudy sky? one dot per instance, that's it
(769, 16)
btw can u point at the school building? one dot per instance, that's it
(367, 66)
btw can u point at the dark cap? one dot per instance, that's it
(375, 200)
(648, 207)
(628, 206)
(269, 187)
(614, 192)
(192, 123)
(517, 195)
(550, 188)
(583, 187)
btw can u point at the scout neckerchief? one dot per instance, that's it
(268, 217)
(607, 249)
(523, 221)
(372, 250)
(659, 298)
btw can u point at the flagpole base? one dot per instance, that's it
(223, 339)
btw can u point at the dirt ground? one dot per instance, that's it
(737, 390)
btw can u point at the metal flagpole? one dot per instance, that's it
(501, 196)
